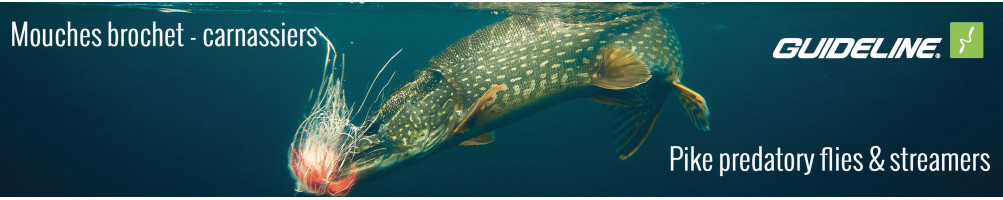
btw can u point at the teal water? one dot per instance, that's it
(200, 121)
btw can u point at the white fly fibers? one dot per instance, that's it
(323, 146)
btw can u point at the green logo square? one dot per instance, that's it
(966, 39)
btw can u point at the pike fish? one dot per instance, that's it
(518, 66)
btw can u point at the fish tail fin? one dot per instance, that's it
(633, 124)
(695, 105)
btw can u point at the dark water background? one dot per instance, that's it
(199, 121)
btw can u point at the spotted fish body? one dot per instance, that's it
(544, 60)
(519, 66)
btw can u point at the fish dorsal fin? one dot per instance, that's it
(482, 139)
(620, 69)
(477, 108)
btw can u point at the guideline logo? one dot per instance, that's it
(966, 39)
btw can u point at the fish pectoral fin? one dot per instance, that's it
(477, 109)
(620, 69)
(482, 139)
(625, 98)
(695, 105)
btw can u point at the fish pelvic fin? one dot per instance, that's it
(625, 98)
(620, 69)
(632, 125)
(477, 109)
(695, 105)
(482, 139)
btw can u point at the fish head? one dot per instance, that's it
(332, 155)
(411, 123)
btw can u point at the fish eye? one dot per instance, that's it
(373, 128)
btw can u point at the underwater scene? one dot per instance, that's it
(500, 99)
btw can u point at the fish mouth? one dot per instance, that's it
(370, 153)
(329, 155)
(369, 160)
